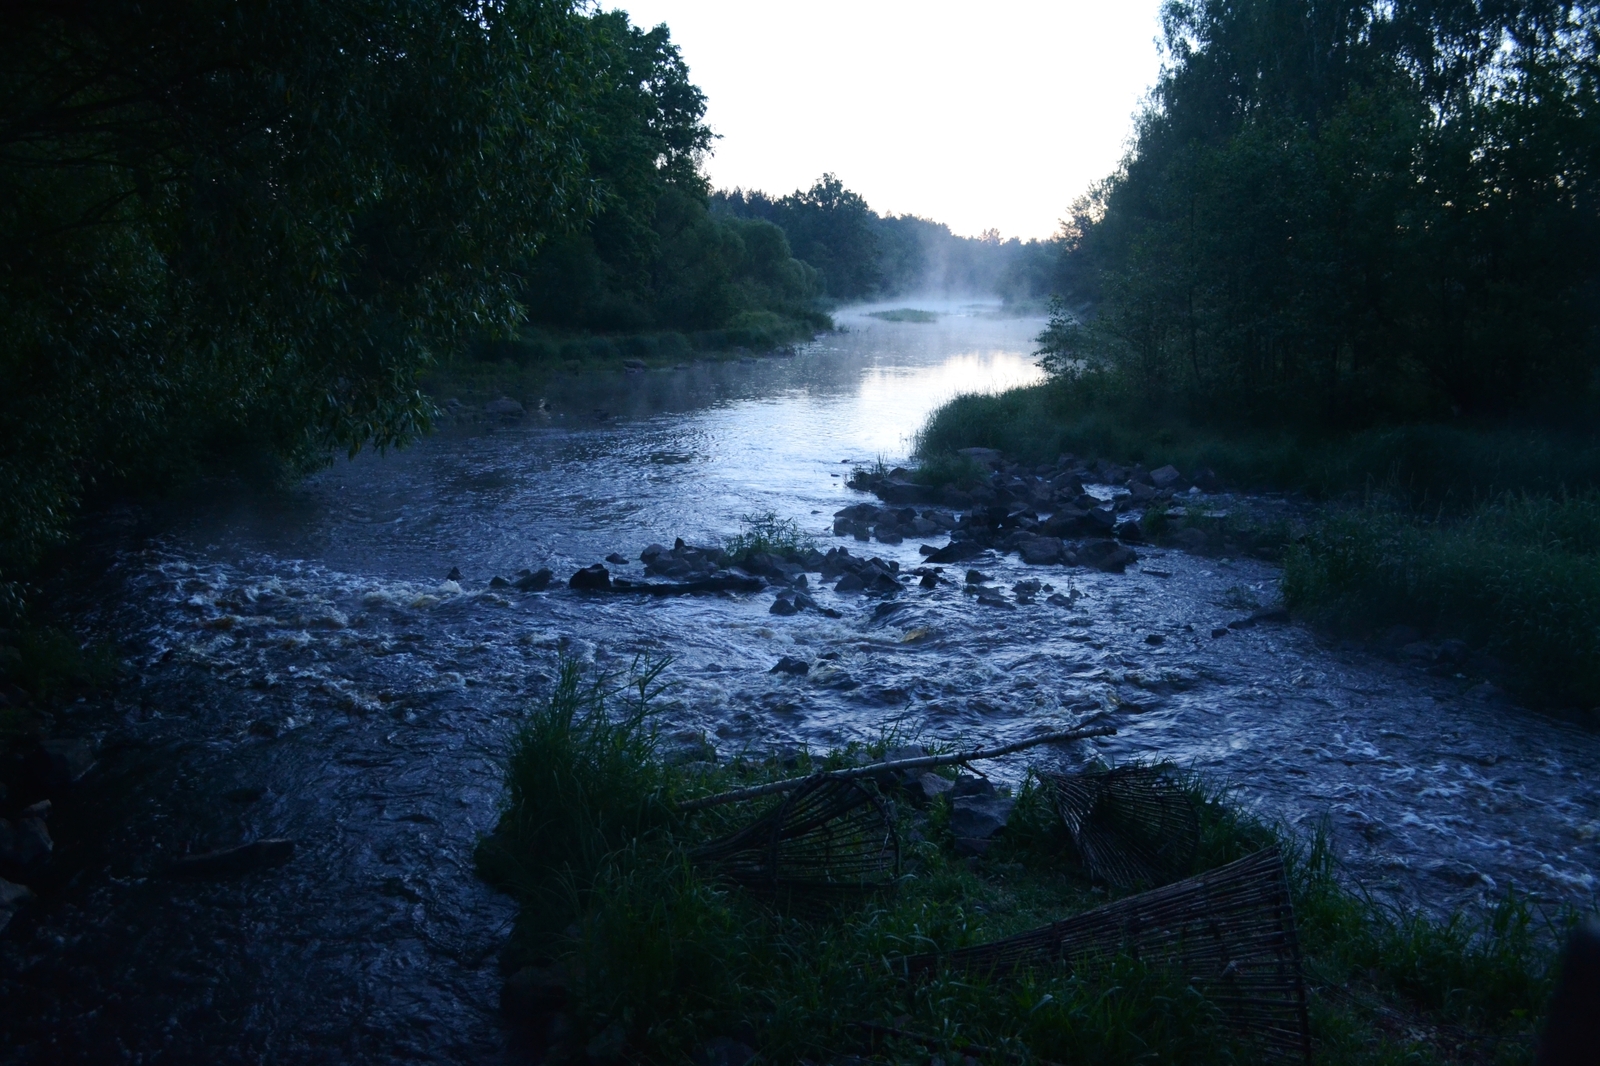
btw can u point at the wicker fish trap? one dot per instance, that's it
(830, 836)
(1229, 932)
(1133, 826)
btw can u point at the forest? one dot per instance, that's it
(1352, 253)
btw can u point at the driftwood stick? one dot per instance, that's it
(919, 763)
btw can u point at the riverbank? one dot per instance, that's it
(1483, 541)
(630, 943)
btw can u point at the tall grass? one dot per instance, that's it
(768, 534)
(1518, 577)
(1423, 465)
(661, 959)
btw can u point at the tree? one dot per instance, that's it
(222, 218)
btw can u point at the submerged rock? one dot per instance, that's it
(790, 665)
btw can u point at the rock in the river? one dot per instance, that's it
(1190, 539)
(1056, 599)
(591, 577)
(790, 665)
(617, 559)
(1041, 551)
(976, 820)
(1129, 531)
(1106, 555)
(1165, 477)
(682, 561)
(534, 580)
(231, 862)
(930, 580)
(504, 407)
(990, 598)
(850, 583)
(498, 582)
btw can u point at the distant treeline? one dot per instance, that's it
(1348, 212)
(861, 254)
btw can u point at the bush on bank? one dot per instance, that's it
(631, 952)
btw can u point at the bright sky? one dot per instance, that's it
(979, 115)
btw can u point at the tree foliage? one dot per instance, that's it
(653, 256)
(861, 254)
(249, 218)
(1349, 211)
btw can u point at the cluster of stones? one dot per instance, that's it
(1041, 513)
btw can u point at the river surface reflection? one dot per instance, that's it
(307, 670)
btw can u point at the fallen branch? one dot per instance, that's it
(921, 762)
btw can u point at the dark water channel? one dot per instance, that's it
(306, 671)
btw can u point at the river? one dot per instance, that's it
(305, 669)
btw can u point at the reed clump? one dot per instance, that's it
(659, 956)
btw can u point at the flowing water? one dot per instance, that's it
(306, 670)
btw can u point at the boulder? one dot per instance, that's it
(534, 580)
(1041, 551)
(976, 820)
(792, 666)
(1106, 555)
(850, 583)
(591, 577)
(1128, 530)
(1190, 539)
(1165, 477)
(929, 785)
(956, 551)
(616, 559)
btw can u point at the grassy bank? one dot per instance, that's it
(1485, 534)
(520, 366)
(1517, 579)
(1427, 465)
(622, 948)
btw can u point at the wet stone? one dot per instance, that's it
(790, 665)
(534, 580)
(591, 577)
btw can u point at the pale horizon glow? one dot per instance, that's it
(979, 116)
